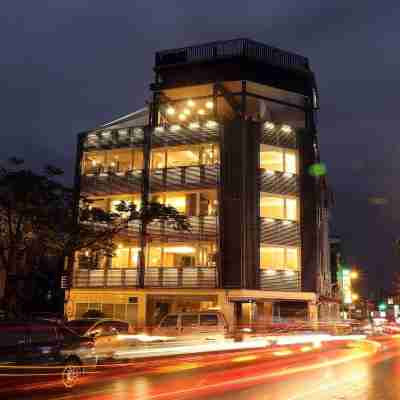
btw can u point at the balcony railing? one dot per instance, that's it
(279, 137)
(279, 182)
(164, 277)
(181, 277)
(100, 183)
(87, 278)
(106, 139)
(182, 178)
(203, 228)
(278, 232)
(279, 280)
(244, 48)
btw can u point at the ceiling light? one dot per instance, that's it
(286, 128)
(269, 125)
(170, 111)
(159, 129)
(175, 128)
(201, 112)
(191, 103)
(194, 125)
(179, 249)
(182, 117)
(186, 111)
(209, 105)
(211, 124)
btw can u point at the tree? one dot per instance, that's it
(38, 217)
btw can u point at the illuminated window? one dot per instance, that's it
(154, 257)
(158, 159)
(291, 209)
(210, 154)
(271, 159)
(94, 161)
(114, 205)
(126, 257)
(278, 207)
(183, 157)
(290, 162)
(278, 159)
(121, 258)
(276, 257)
(178, 202)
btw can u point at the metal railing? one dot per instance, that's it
(178, 178)
(158, 277)
(279, 182)
(280, 232)
(181, 277)
(230, 49)
(279, 280)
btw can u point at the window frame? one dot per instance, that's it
(285, 257)
(284, 151)
(285, 198)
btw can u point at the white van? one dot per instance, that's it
(203, 325)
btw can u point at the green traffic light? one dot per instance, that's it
(382, 307)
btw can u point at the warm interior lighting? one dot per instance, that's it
(354, 275)
(209, 105)
(269, 125)
(201, 112)
(289, 273)
(112, 164)
(355, 297)
(191, 103)
(187, 111)
(179, 249)
(159, 129)
(194, 125)
(286, 129)
(175, 128)
(182, 117)
(271, 272)
(94, 162)
(120, 246)
(170, 111)
(211, 124)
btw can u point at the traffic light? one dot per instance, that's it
(382, 306)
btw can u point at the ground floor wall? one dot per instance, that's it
(143, 308)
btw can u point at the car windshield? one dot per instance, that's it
(80, 326)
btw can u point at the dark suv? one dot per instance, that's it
(39, 343)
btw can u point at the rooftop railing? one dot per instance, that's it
(230, 49)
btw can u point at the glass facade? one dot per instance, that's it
(279, 257)
(274, 158)
(278, 207)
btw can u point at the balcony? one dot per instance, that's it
(98, 183)
(166, 277)
(184, 178)
(225, 50)
(181, 277)
(91, 278)
(202, 229)
(277, 135)
(116, 138)
(279, 182)
(280, 232)
(279, 280)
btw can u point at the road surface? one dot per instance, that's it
(367, 370)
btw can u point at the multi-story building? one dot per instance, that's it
(227, 139)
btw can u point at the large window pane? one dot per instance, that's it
(154, 259)
(158, 159)
(292, 258)
(178, 202)
(120, 160)
(291, 209)
(94, 161)
(121, 258)
(272, 207)
(183, 157)
(272, 257)
(210, 154)
(137, 162)
(290, 162)
(271, 159)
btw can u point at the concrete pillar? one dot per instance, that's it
(141, 313)
(312, 311)
(227, 309)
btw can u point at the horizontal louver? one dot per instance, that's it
(285, 281)
(281, 233)
(279, 183)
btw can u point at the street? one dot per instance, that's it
(359, 370)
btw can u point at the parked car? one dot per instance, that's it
(104, 332)
(93, 327)
(46, 343)
(202, 325)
